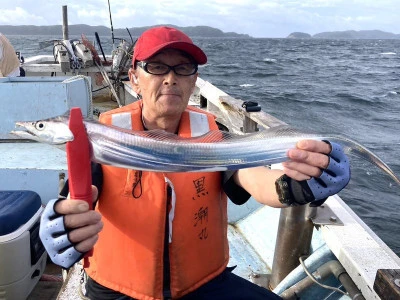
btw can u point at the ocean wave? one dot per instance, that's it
(263, 75)
(228, 65)
(359, 99)
(391, 94)
(270, 60)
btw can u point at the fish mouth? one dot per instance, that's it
(25, 134)
(21, 124)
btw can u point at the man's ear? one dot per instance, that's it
(132, 76)
(134, 81)
(194, 82)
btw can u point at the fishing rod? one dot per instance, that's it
(101, 48)
(112, 29)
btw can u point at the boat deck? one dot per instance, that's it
(49, 285)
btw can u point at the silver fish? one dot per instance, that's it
(157, 150)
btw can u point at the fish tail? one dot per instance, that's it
(354, 148)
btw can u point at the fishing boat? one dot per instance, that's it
(71, 57)
(305, 252)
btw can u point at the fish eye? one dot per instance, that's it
(39, 126)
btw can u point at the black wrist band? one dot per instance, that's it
(283, 190)
(292, 192)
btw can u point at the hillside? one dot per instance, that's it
(54, 30)
(299, 35)
(352, 34)
(348, 34)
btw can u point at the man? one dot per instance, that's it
(149, 233)
(9, 63)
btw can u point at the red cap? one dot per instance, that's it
(155, 39)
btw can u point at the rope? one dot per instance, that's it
(105, 76)
(49, 277)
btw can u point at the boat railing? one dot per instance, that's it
(230, 111)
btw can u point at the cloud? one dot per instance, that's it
(19, 15)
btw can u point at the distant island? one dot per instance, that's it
(192, 31)
(348, 34)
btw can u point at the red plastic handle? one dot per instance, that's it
(79, 169)
(78, 157)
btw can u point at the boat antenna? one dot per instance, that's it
(112, 29)
(130, 35)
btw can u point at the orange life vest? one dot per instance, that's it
(128, 256)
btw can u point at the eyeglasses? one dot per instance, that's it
(162, 69)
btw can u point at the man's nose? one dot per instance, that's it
(170, 77)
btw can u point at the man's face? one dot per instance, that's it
(165, 95)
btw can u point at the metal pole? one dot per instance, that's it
(331, 267)
(112, 29)
(65, 22)
(293, 240)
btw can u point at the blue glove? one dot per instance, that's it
(317, 189)
(55, 239)
(334, 178)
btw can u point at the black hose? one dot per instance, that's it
(101, 48)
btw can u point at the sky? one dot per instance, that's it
(257, 18)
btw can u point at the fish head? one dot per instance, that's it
(50, 131)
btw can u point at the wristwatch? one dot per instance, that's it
(282, 186)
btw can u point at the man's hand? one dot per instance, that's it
(69, 229)
(323, 165)
(307, 160)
